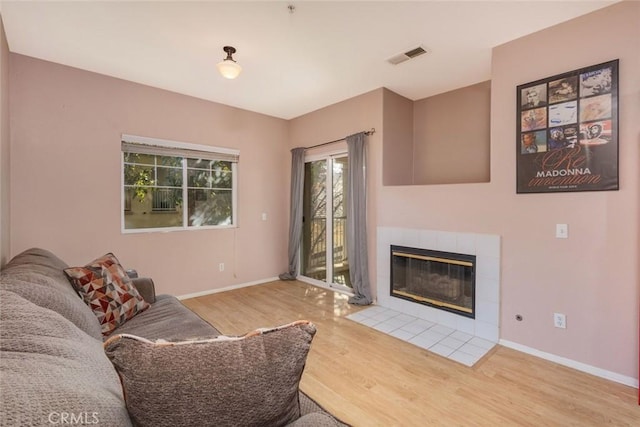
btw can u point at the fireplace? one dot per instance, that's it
(442, 280)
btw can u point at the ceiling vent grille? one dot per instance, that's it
(405, 56)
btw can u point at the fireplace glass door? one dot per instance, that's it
(443, 280)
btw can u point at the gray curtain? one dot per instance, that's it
(295, 213)
(357, 221)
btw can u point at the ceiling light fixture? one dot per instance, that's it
(229, 68)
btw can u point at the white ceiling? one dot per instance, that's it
(293, 63)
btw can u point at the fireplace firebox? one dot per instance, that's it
(438, 279)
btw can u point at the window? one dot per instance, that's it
(170, 185)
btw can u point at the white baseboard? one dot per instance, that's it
(598, 372)
(228, 288)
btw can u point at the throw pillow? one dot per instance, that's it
(105, 287)
(226, 381)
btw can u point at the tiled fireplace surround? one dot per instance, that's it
(485, 327)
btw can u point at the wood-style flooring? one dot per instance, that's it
(367, 378)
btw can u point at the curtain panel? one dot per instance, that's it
(357, 221)
(295, 213)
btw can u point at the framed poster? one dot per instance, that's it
(567, 137)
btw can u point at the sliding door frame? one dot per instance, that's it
(329, 258)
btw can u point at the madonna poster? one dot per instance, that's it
(567, 138)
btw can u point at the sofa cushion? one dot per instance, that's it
(107, 289)
(229, 381)
(168, 319)
(50, 369)
(45, 292)
(145, 286)
(40, 260)
(37, 275)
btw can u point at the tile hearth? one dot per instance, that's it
(443, 340)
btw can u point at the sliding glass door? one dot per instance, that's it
(324, 237)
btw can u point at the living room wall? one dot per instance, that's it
(442, 139)
(451, 136)
(65, 193)
(4, 147)
(592, 276)
(65, 196)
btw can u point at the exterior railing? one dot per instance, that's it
(163, 199)
(317, 256)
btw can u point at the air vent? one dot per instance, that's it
(410, 54)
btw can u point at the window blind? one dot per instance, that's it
(180, 150)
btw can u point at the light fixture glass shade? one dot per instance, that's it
(229, 68)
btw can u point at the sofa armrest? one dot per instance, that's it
(147, 289)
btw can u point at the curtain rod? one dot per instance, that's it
(369, 132)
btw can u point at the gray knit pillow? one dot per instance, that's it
(227, 381)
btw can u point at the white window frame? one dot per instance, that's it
(179, 146)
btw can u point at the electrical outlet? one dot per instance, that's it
(221, 266)
(559, 320)
(562, 231)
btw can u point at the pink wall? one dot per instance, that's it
(397, 148)
(65, 195)
(4, 148)
(593, 275)
(451, 136)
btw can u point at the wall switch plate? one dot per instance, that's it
(562, 231)
(264, 216)
(559, 320)
(221, 266)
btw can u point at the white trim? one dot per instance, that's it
(234, 194)
(177, 144)
(228, 288)
(323, 285)
(329, 219)
(321, 156)
(122, 222)
(598, 372)
(172, 229)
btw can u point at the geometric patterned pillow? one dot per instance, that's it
(108, 291)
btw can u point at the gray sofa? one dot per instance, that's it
(53, 368)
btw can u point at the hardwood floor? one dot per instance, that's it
(368, 378)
